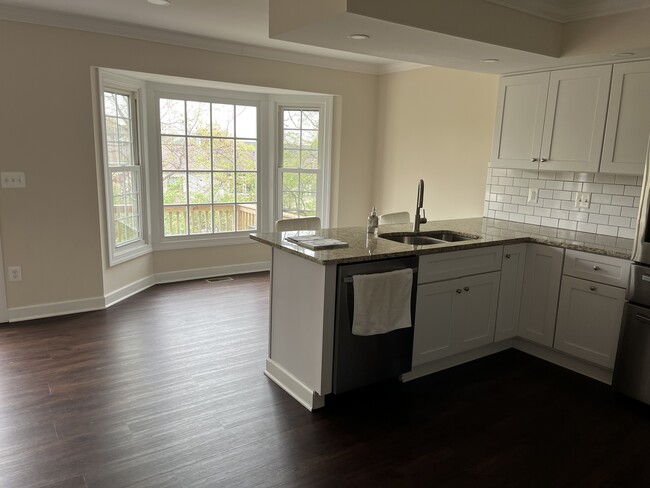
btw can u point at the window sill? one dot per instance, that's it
(127, 254)
(184, 243)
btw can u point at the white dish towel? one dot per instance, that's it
(382, 302)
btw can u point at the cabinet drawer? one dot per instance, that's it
(594, 267)
(456, 264)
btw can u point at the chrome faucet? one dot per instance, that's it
(418, 206)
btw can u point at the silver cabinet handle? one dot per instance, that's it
(508, 256)
(467, 288)
(543, 160)
(459, 291)
(533, 160)
(593, 288)
(596, 268)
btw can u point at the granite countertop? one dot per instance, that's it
(365, 247)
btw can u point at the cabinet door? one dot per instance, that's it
(542, 277)
(512, 279)
(432, 337)
(475, 311)
(520, 120)
(628, 120)
(575, 119)
(589, 320)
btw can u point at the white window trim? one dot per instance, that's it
(324, 103)
(142, 246)
(155, 91)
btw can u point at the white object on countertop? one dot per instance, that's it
(373, 221)
(304, 223)
(382, 302)
(395, 218)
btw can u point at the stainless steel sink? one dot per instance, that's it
(427, 238)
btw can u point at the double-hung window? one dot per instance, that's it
(208, 166)
(302, 161)
(123, 162)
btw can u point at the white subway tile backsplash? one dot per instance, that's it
(548, 203)
(579, 216)
(584, 177)
(560, 214)
(625, 180)
(572, 186)
(586, 227)
(598, 219)
(600, 198)
(554, 185)
(607, 230)
(532, 219)
(632, 212)
(548, 222)
(623, 201)
(504, 198)
(626, 233)
(603, 178)
(562, 195)
(567, 224)
(613, 189)
(620, 221)
(592, 187)
(612, 212)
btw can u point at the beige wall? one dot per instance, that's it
(52, 228)
(435, 124)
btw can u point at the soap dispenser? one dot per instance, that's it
(373, 221)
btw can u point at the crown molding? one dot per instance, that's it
(144, 33)
(564, 11)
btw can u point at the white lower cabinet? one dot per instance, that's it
(539, 296)
(591, 306)
(512, 279)
(589, 319)
(454, 316)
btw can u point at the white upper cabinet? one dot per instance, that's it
(520, 121)
(628, 120)
(575, 119)
(553, 121)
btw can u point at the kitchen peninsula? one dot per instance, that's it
(304, 287)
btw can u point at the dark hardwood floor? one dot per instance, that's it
(166, 390)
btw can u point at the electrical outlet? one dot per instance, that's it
(533, 195)
(15, 273)
(12, 179)
(583, 200)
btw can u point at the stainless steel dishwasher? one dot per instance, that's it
(362, 360)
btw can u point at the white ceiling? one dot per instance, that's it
(242, 26)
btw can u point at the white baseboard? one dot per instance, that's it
(552, 356)
(128, 291)
(294, 387)
(200, 273)
(455, 360)
(19, 314)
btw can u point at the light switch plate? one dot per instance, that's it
(533, 195)
(12, 179)
(583, 200)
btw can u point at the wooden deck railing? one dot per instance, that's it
(200, 219)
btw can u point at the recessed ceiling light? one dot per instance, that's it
(159, 2)
(490, 60)
(359, 37)
(622, 55)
